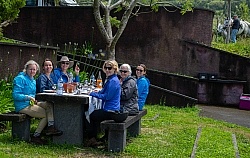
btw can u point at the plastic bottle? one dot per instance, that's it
(92, 79)
(59, 90)
(99, 81)
(70, 77)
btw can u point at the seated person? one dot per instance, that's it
(63, 65)
(44, 81)
(110, 96)
(129, 94)
(24, 91)
(142, 85)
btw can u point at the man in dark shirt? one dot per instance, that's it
(235, 28)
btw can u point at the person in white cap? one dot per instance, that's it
(63, 65)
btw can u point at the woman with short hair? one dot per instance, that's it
(24, 91)
(129, 94)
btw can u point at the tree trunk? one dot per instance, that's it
(105, 27)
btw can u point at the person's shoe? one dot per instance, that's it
(38, 140)
(93, 143)
(51, 130)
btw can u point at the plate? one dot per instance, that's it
(49, 91)
(84, 92)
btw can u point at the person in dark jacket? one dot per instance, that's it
(129, 92)
(142, 85)
(110, 96)
(44, 81)
(63, 65)
(235, 28)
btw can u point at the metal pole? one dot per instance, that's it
(229, 22)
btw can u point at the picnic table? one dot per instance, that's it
(68, 115)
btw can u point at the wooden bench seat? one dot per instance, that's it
(117, 132)
(20, 124)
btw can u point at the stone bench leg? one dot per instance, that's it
(21, 130)
(116, 140)
(135, 129)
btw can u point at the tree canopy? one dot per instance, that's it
(9, 10)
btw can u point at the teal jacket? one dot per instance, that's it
(143, 89)
(23, 86)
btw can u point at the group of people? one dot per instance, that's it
(120, 91)
(25, 88)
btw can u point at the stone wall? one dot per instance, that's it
(153, 38)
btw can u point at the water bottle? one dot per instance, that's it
(92, 79)
(70, 77)
(59, 90)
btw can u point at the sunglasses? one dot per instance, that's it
(123, 71)
(139, 70)
(63, 62)
(109, 68)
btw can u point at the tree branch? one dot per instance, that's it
(116, 4)
(98, 19)
(5, 23)
(124, 21)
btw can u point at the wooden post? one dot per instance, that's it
(229, 23)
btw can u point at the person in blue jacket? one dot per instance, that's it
(142, 85)
(24, 91)
(44, 81)
(110, 96)
(63, 65)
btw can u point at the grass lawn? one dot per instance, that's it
(166, 132)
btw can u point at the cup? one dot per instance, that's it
(65, 85)
(70, 88)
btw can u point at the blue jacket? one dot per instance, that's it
(143, 89)
(110, 94)
(43, 83)
(23, 86)
(58, 73)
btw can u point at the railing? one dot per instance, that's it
(159, 92)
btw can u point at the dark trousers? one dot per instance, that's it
(96, 117)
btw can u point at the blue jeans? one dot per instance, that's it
(233, 35)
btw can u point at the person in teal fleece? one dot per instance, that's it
(110, 96)
(63, 65)
(24, 91)
(142, 85)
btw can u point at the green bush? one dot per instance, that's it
(6, 100)
(241, 48)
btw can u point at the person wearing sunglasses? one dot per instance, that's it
(110, 96)
(63, 65)
(142, 85)
(24, 91)
(44, 81)
(129, 94)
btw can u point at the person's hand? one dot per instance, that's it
(77, 70)
(33, 100)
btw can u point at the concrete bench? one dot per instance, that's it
(117, 132)
(20, 124)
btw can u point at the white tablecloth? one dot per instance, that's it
(94, 104)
